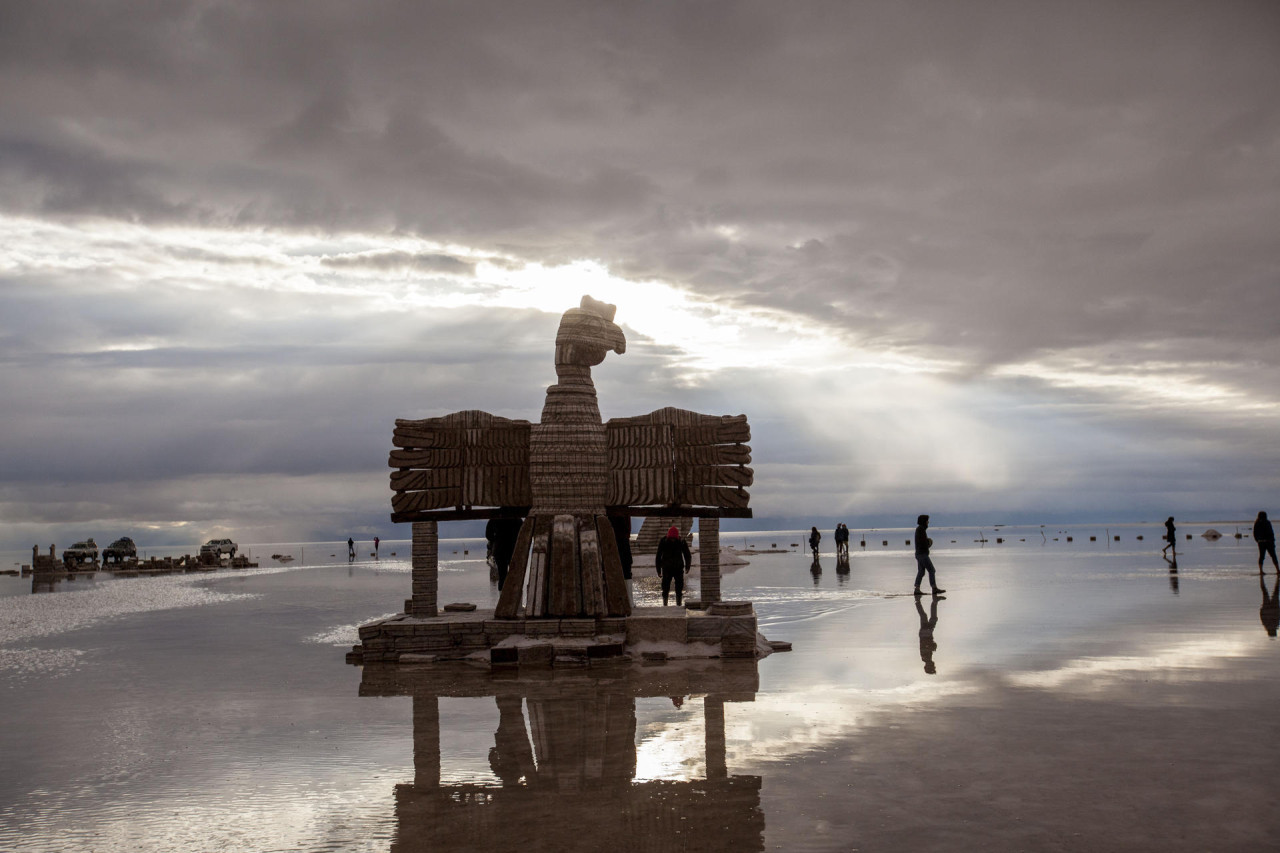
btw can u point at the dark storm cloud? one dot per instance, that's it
(419, 261)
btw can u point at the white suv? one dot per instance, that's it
(218, 547)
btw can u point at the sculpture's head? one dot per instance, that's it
(587, 333)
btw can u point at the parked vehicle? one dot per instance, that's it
(120, 550)
(80, 553)
(219, 548)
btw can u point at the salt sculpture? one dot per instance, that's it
(566, 475)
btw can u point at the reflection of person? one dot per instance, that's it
(351, 548)
(1269, 612)
(1171, 538)
(673, 561)
(814, 538)
(511, 756)
(927, 645)
(1265, 536)
(923, 563)
(816, 570)
(502, 534)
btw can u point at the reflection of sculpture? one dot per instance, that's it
(566, 474)
(565, 758)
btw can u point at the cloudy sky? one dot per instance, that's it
(995, 261)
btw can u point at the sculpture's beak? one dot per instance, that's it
(617, 340)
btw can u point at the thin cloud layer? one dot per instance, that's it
(991, 256)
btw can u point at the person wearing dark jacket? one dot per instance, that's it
(1266, 539)
(814, 538)
(622, 534)
(1171, 538)
(502, 534)
(923, 563)
(673, 562)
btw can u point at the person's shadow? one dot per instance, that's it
(927, 644)
(816, 570)
(1269, 612)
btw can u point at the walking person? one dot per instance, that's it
(1170, 535)
(923, 563)
(673, 562)
(1265, 536)
(351, 549)
(814, 538)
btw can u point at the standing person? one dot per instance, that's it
(814, 538)
(1266, 539)
(923, 563)
(621, 525)
(842, 540)
(376, 540)
(351, 549)
(502, 534)
(673, 562)
(1170, 534)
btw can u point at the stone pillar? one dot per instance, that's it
(426, 564)
(426, 736)
(709, 555)
(713, 734)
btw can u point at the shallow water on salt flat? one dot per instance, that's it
(1082, 696)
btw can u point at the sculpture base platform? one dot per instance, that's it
(650, 634)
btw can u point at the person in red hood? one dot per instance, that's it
(673, 561)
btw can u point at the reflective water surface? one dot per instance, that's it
(1062, 695)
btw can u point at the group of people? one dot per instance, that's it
(351, 548)
(841, 537)
(1263, 534)
(924, 564)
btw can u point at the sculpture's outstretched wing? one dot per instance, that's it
(461, 460)
(677, 457)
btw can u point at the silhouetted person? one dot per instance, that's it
(502, 534)
(1171, 537)
(1266, 539)
(351, 549)
(923, 563)
(621, 525)
(1269, 612)
(376, 541)
(842, 540)
(927, 645)
(814, 538)
(673, 561)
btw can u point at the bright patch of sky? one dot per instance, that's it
(711, 336)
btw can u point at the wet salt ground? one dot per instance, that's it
(1080, 701)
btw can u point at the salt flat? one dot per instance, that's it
(1073, 696)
